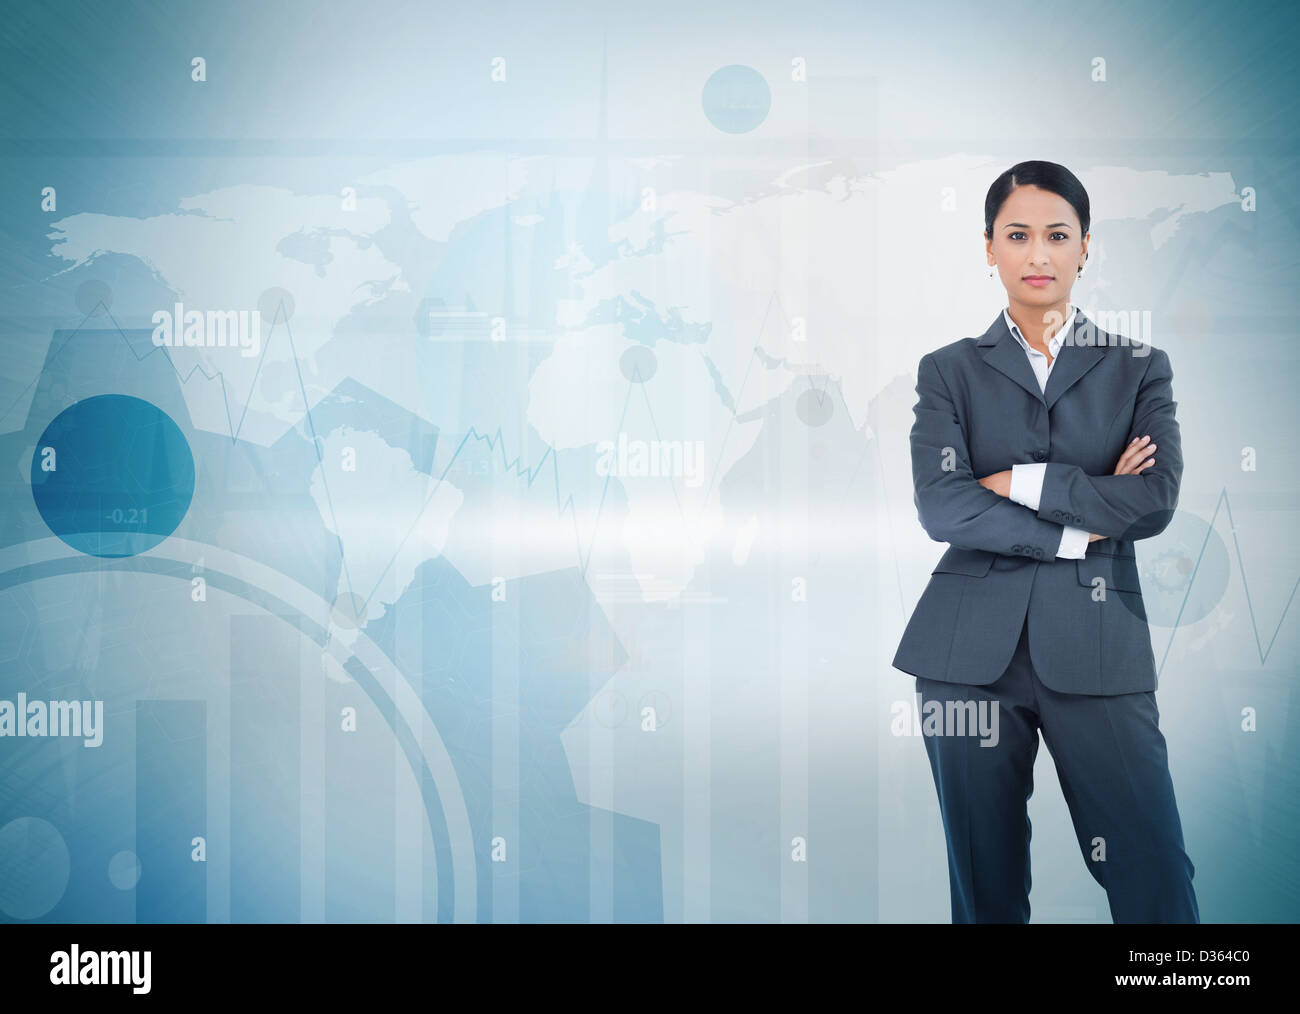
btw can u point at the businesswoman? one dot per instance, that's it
(1042, 451)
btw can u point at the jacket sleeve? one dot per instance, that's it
(951, 504)
(1126, 506)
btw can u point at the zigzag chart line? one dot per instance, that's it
(219, 376)
(1224, 502)
(495, 441)
(565, 504)
(562, 506)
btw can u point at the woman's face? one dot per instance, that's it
(1037, 246)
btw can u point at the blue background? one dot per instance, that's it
(616, 216)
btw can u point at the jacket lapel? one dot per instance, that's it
(1002, 352)
(1080, 354)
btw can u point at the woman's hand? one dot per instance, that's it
(1136, 457)
(1131, 461)
(998, 482)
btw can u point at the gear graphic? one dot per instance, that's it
(1171, 570)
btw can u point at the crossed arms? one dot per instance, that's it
(955, 507)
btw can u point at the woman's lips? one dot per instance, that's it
(1038, 281)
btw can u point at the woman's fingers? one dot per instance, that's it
(1131, 461)
(1135, 463)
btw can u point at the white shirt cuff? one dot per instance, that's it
(1074, 543)
(1027, 483)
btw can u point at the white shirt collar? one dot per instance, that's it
(1054, 345)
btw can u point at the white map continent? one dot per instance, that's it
(389, 517)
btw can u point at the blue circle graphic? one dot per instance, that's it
(34, 867)
(112, 476)
(736, 98)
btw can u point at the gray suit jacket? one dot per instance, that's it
(979, 410)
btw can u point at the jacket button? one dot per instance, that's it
(1040, 455)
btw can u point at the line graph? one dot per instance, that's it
(495, 441)
(548, 465)
(1224, 502)
(280, 317)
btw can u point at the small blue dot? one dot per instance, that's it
(112, 476)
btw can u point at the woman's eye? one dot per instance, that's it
(1014, 235)
(1063, 235)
